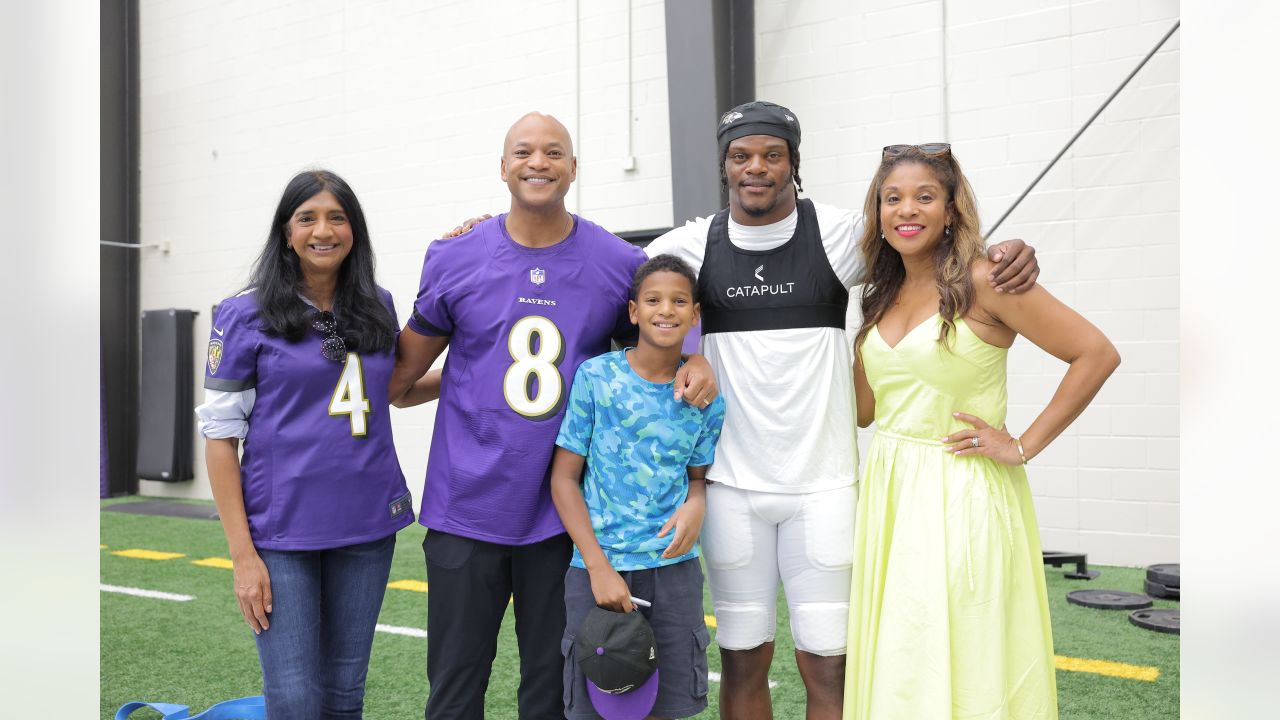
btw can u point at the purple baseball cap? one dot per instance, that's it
(618, 654)
(630, 705)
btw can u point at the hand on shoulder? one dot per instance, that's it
(1016, 267)
(466, 226)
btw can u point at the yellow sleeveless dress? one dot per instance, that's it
(948, 616)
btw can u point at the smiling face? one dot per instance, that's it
(319, 233)
(914, 209)
(758, 171)
(538, 163)
(664, 309)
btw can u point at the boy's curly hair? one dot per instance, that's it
(664, 263)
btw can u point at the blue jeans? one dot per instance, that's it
(325, 604)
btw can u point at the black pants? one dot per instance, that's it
(470, 583)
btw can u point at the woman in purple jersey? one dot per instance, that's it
(298, 368)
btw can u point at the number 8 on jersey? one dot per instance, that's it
(537, 347)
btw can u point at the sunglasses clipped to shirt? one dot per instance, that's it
(334, 347)
(939, 149)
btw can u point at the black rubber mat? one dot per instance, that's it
(166, 508)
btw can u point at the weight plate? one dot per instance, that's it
(1167, 574)
(1165, 620)
(1109, 599)
(1155, 589)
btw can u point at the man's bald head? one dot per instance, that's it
(538, 165)
(537, 126)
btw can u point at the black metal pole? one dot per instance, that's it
(710, 68)
(119, 266)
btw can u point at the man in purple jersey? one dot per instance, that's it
(774, 275)
(522, 301)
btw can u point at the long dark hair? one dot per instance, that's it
(954, 256)
(363, 321)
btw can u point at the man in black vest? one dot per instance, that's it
(774, 280)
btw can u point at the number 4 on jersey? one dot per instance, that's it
(348, 396)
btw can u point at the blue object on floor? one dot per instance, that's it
(246, 708)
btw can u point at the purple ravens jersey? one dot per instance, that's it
(519, 320)
(319, 468)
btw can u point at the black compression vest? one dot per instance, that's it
(790, 286)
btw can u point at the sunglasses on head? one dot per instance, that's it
(334, 347)
(928, 149)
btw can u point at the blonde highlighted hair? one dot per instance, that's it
(953, 257)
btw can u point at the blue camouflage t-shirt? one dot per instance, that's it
(638, 441)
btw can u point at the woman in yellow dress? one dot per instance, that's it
(948, 616)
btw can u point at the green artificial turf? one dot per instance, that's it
(1081, 632)
(201, 652)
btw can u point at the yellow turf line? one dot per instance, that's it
(1106, 667)
(146, 554)
(419, 586)
(413, 585)
(1097, 667)
(1069, 664)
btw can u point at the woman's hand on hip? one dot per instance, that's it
(995, 443)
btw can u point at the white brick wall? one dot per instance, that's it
(410, 101)
(1021, 77)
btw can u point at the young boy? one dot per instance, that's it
(635, 518)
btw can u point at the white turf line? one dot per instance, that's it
(397, 630)
(416, 632)
(714, 676)
(392, 629)
(145, 593)
(156, 594)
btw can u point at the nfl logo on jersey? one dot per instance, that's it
(537, 276)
